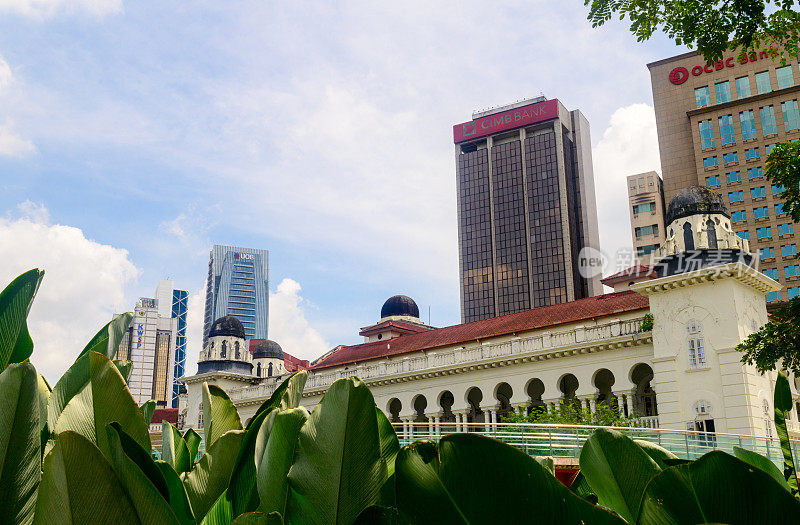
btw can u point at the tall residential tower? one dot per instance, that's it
(238, 286)
(526, 208)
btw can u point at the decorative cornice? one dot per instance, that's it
(199, 378)
(737, 271)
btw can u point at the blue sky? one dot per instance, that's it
(134, 135)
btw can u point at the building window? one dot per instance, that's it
(752, 153)
(768, 125)
(711, 235)
(706, 134)
(755, 173)
(792, 271)
(767, 253)
(697, 353)
(768, 149)
(744, 234)
(236, 349)
(773, 296)
(723, 90)
(712, 181)
(785, 229)
(761, 212)
(200, 416)
(785, 77)
(764, 233)
(788, 250)
(643, 208)
(743, 87)
(710, 162)
(702, 97)
(646, 250)
(739, 216)
(791, 117)
(779, 209)
(758, 193)
(772, 273)
(748, 122)
(767, 416)
(736, 196)
(731, 157)
(733, 176)
(646, 230)
(726, 134)
(224, 350)
(793, 292)
(258, 370)
(763, 84)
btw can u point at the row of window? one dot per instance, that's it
(646, 230)
(789, 272)
(727, 135)
(733, 177)
(759, 192)
(766, 233)
(644, 208)
(722, 90)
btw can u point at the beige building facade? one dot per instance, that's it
(716, 125)
(646, 206)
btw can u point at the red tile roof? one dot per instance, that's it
(544, 317)
(165, 414)
(398, 326)
(638, 270)
(291, 362)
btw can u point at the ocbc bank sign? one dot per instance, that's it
(679, 75)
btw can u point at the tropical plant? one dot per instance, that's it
(573, 413)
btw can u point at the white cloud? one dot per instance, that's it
(83, 286)
(48, 8)
(11, 143)
(628, 146)
(288, 325)
(6, 77)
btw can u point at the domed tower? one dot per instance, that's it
(401, 307)
(268, 359)
(226, 349)
(699, 234)
(399, 316)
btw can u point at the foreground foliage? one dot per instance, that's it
(80, 453)
(572, 413)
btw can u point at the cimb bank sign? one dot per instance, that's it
(506, 120)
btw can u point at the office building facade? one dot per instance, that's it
(149, 343)
(238, 286)
(716, 125)
(175, 303)
(526, 208)
(646, 206)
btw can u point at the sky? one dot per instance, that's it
(135, 135)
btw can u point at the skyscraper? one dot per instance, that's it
(174, 303)
(716, 124)
(238, 285)
(646, 206)
(526, 208)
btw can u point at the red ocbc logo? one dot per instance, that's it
(679, 75)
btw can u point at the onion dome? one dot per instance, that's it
(267, 349)
(227, 326)
(400, 305)
(695, 200)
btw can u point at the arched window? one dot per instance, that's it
(767, 418)
(711, 232)
(224, 350)
(688, 236)
(200, 416)
(269, 370)
(258, 370)
(704, 417)
(697, 352)
(236, 349)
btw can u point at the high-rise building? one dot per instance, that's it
(149, 343)
(646, 206)
(526, 208)
(238, 286)
(716, 125)
(175, 303)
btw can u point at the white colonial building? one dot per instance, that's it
(663, 348)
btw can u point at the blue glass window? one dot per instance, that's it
(792, 271)
(761, 212)
(774, 296)
(743, 87)
(785, 229)
(744, 235)
(723, 90)
(793, 292)
(712, 181)
(757, 193)
(643, 208)
(768, 126)
(785, 77)
(710, 162)
(726, 134)
(764, 233)
(646, 230)
(763, 84)
(771, 273)
(779, 209)
(767, 253)
(706, 134)
(702, 96)
(791, 117)
(739, 216)
(736, 196)
(730, 157)
(748, 122)
(768, 149)
(752, 153)
(755, 173)
(777, 189)
(733, 176)
(788, 250)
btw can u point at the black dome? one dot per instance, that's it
(695, 200)
(268, 349)
(227, 325)
(399, 305)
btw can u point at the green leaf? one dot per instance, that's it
(242, 491)
(717, 488)
(390, 446)
(15, 303)
(173, 448)
(660, 455)
(100, 400)
(212, 474)
(783, 405)
(760, 462)
(125, 368)
(80, 487)
(107, 340)
(219, 414)
(376, 515)
(455, 481)
(192, 440)
(44, 398)
(338, 444)
(150, 503)
(278, 444)
(147, 410)
(618, 471)
(221, 513)
(20, 442)
(178, 499)
(258, 518)
(287, 395)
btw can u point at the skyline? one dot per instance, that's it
(133, 138)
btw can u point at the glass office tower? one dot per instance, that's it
(238, 285)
